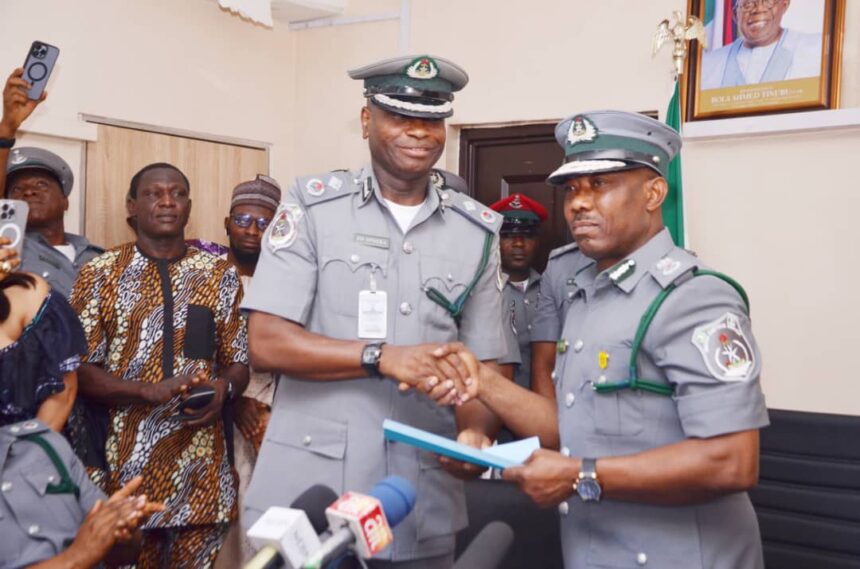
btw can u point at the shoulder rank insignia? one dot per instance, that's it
(725, 349)
(315, 187)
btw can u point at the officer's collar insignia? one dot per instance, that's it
(516, 203)
(437, 180)
(285, 226)
(17, 158)
(422, 68)
(727, 353)
(581, 130)
(488, 216)
(668, 265)
(315, 187)
(469, 205)
(622, 270)
(366, 189)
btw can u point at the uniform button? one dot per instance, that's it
(354, 258)
(405, 308)
(526, 301)
(601, 380)
(33, 529)
(565, 451)
(51, 479)
(307, 440)
(569, 399)
(46, 274)
(450, 277)
(445, 195)
(408, 247)
(570, 295)
(641, 559)
(563, 508)
(552, 375)
(528, 327)
(6, 486)
(577, 346)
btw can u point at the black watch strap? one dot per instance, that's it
(370, 357)
(7, 142)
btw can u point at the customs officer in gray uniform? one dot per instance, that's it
(45, 496)
(362, 275)
(44, 181)
(657, 374)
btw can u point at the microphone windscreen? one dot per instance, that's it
(488, 549)
(397, 497)
(313, 502)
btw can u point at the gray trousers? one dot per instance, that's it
(443, 562)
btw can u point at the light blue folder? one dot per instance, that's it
(499, 456)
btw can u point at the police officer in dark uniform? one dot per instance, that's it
(362, 275)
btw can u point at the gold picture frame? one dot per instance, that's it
(717, 80)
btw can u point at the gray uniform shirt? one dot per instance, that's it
(333, 237)
(36, 524)
(700, 343)
(39, 257)
(556, 292)
(518, 310)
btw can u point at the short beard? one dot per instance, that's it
(246, 258)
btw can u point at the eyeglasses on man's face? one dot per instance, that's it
(750, 5)
(244, 220)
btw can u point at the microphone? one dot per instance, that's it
(287, 536)
(364, 522)
(488, 549)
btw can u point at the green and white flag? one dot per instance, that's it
(673, 207)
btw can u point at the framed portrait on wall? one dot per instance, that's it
(764, 56)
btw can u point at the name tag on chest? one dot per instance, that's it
(372, 314)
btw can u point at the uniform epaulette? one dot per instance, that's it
(564, 249)
(474, 211)
(674, 267)
(26, 428)
(324, 187)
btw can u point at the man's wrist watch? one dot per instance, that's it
(370, 357)
(587, 485)
(7, 142)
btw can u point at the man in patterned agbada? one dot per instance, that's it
(162, 320)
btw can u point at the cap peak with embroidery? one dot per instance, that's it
(420, 86)
(612, 141)
(29, 158)
(521, 214)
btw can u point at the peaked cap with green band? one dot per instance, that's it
(420, 86)
(611, 141)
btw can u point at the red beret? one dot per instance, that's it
(520, 206)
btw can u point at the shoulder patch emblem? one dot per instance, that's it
(437, 180)
(488, 216)
(315, 187)
(285, 226)
(725, 349)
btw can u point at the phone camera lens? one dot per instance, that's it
(40, 51)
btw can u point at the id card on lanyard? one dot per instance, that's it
(372, 312)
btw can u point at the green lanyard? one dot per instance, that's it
(633, 381)
(455, 309)
(65, 485)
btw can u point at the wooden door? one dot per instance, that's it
(213, 170)
(497, 162)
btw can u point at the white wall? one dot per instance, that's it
(184, 64)
(776, 212)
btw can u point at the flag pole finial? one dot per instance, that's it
(679, 31)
